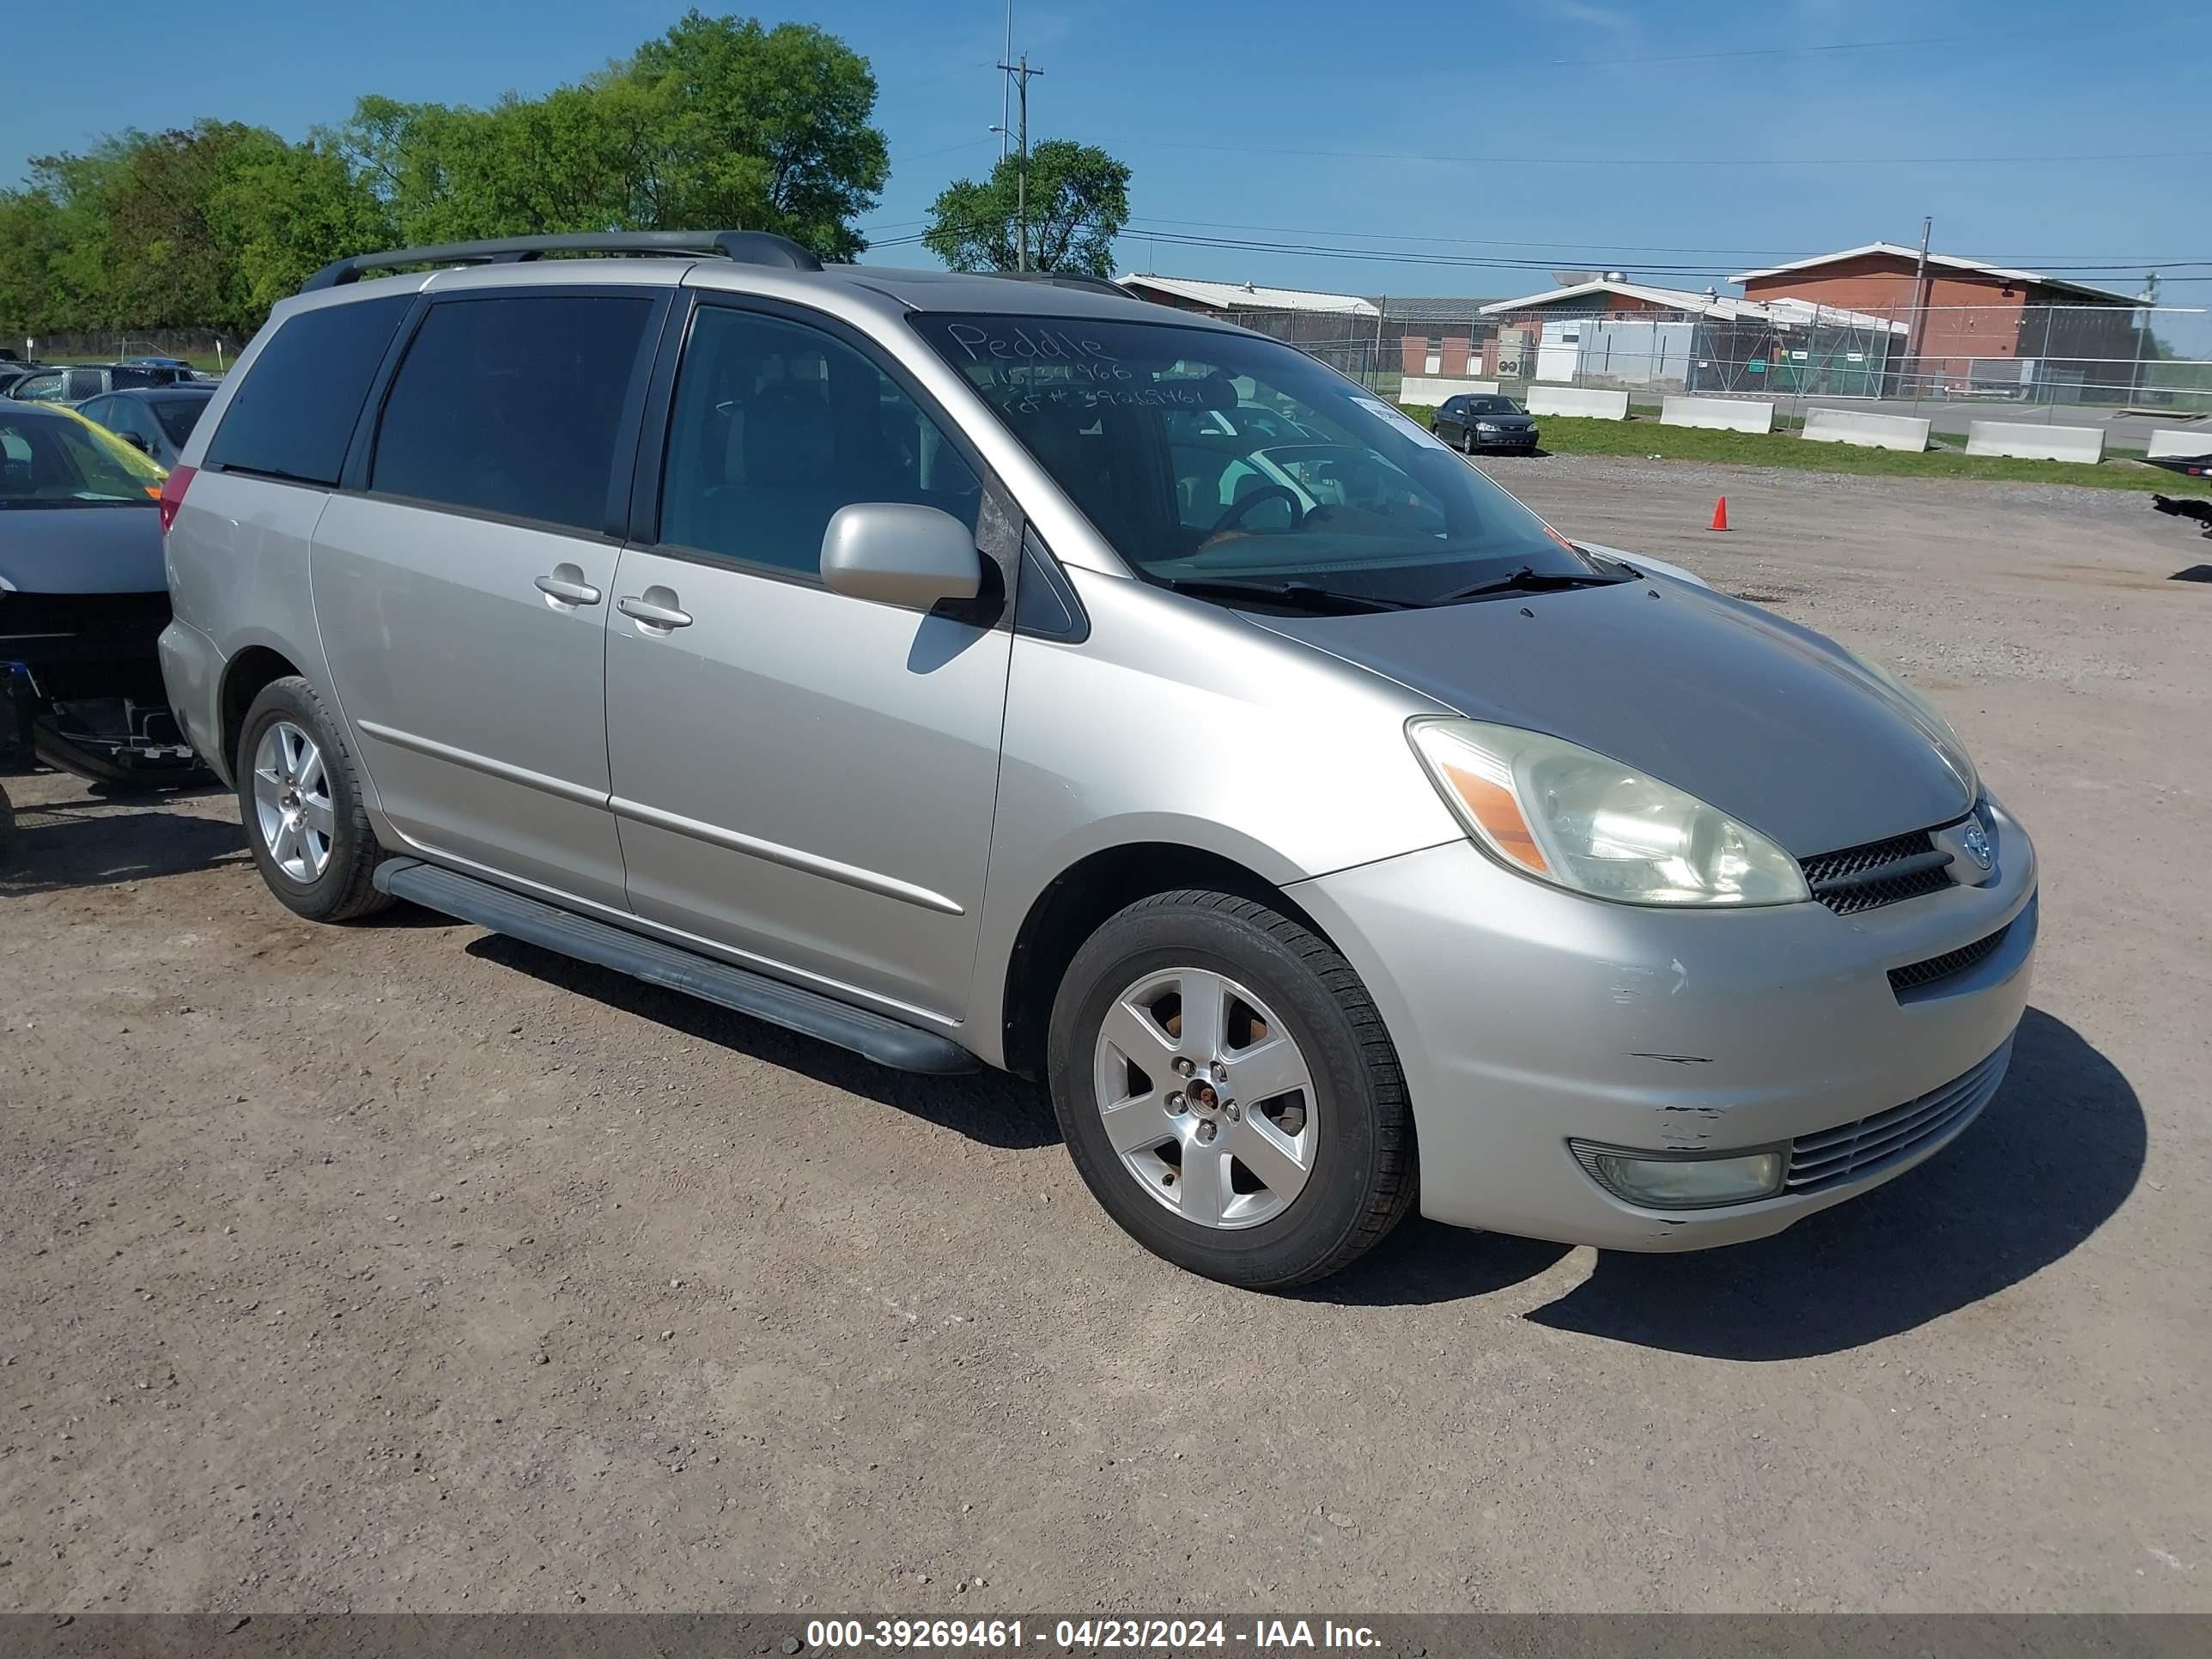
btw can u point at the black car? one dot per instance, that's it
(1473, 421)
(155, 421)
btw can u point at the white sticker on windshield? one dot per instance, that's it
(1403, 421)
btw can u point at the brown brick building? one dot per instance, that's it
(1975, 327)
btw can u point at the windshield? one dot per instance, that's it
(56, 459)
(1493, 406)
(1204, 455)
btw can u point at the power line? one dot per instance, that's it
(2113, 262)
(1631, 161)
(1798, 51)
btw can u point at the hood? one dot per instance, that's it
(1771, 723)
(82, 550)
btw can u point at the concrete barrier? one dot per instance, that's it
(1579, 400)
(1718, 414)
(1868, 431)
(2172, 440)
(2029, 442)
(1432, 389)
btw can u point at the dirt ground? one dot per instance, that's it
(401, 1267)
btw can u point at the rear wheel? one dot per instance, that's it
(1229, 1093)
(301, 801)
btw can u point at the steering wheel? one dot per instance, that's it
(1235, 514)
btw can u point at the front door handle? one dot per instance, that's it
(655, 608)
(566, 583)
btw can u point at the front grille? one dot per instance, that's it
(1915, 974)
(1818, 1161)
(1880, 872)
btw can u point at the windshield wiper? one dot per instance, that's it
(1297, 596)
(1527, 579)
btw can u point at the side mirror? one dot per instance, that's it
(897, 553)
(135, 442)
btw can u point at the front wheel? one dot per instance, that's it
(1229, 1093)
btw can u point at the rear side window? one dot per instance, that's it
(294, 415)
(510, 406)
(178, 416)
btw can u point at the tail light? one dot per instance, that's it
(173, 495)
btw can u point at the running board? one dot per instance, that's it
(887, 1041)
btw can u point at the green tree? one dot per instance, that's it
(179, 272)
(282, 211)
(720, 122)
(766, 129)
(1078, 202)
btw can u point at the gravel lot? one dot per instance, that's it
(402, 1268)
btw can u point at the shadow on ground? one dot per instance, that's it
(89, 842)
(2049, 1160)
(990, 1107)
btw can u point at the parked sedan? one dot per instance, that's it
(84, 596)
(155, 419)
(1473, 422)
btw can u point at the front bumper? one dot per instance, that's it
(1524, 1016)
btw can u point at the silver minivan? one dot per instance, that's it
(966, 671)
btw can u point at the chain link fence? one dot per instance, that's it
(2041, 360)
(208, 350)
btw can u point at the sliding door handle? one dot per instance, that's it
(654, 613)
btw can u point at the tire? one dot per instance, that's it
(338, 885)
(1353, 1124)
(6, 830)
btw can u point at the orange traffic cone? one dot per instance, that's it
(1720, 513)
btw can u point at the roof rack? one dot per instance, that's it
(750, 247)
(1088, 284)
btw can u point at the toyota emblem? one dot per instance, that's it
(1977, 842)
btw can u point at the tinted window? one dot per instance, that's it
(294, 413)
(778, 425)
(39, 388)
(510, 405)
(178, 416)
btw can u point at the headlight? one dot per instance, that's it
(1933, 726)
(1549, 809)
(1485, 426)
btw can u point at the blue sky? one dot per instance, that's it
(1634, 136)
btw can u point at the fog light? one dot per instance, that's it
(1660, 1182)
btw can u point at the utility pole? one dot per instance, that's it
(1019, 77)
(1916, 337)
(1007, 85)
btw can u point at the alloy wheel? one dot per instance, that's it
(1207, 1097)
(291, 801)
